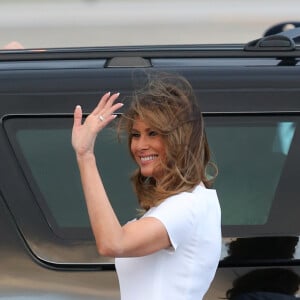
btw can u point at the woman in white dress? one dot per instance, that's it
(173, 249)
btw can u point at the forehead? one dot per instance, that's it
(139, 124)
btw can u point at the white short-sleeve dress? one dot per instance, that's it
(185, 271)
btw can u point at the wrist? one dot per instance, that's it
(86, 157)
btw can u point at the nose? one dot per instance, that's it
(143, 143)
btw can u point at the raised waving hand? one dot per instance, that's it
(84, 133)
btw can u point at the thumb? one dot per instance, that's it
(77, 116)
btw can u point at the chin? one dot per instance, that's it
(147, 174)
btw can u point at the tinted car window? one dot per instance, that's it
(251, 153)
(43, 147)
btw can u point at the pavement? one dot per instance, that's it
(69, 23)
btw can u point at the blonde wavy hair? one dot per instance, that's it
(168, 105)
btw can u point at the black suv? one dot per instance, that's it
(250, 97)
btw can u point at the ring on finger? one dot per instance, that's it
(101, 118)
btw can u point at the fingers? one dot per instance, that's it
(105, 102)
(111, 100)
(101, 115)
(101, 103)
(108, 112)
(103, 121)
(77, 116)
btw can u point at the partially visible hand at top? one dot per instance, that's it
(13, 45)
(84, 134)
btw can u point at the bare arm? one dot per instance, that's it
(136, 238)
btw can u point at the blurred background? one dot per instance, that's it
(72, 23)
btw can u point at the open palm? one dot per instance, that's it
(84, 133)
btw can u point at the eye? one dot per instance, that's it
(134, 135)
(153, 133)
